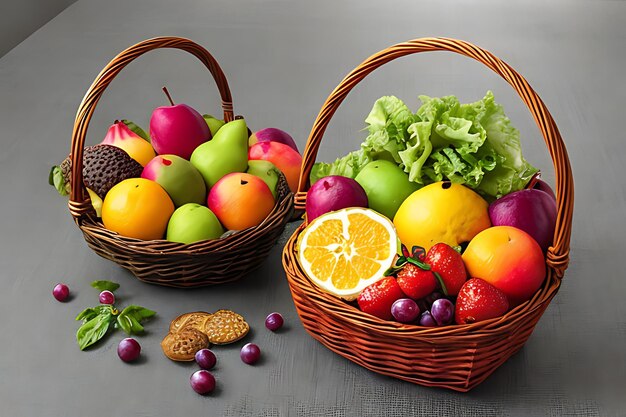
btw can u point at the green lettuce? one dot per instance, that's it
(472, 144)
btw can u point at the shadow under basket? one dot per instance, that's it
(457, 357)
(162, 262)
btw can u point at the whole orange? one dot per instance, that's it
(137, 208)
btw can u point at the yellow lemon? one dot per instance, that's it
(441, 212)
(346, 250)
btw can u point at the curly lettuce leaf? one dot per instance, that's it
(472, 144)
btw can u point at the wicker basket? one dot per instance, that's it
(457, 357)
(159, 261)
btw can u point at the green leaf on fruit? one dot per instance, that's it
(93, 330)
(55, 179)
(136, 129)
(104, 285)
(441, 283)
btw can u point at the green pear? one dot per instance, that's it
(227, 152)
(214, 123)
(267, 172)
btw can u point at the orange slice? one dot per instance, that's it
(344, 251)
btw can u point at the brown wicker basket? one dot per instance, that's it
(457, 357)
(159, 261)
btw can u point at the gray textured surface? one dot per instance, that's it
(19, 19)
(282, 59)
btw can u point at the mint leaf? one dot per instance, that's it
(137, 312)
(55, 179)
(89, 313)
(136, 129)
(131, 317)
(104, 285)
(93, 330)
(129, 324)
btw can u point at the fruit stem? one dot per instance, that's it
(167, 93)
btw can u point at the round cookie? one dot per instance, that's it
(183, 345)
(225, 326)
(195, 320)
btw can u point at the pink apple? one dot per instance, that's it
(282, 156)
(182, 181)
(271, 134)
(177, 130)
(509, 259)
(240, 200)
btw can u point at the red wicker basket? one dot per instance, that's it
(159, 261)
(457, 357)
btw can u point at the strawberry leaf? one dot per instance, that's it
(441, 283)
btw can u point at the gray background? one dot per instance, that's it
(282, 59)
(18, 19)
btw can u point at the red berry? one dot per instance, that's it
(448, 263)
(377, 298)
(479, 300)
(416, 282)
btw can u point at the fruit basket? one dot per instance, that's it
(457, 357)
(163, 262)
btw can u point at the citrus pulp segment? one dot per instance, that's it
(344, 251)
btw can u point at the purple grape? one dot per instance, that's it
(205, 359)
(250, 353)
(107, 297)
(405, 310)
(128, 349)
(442, 311)
(274, 321)
(202, 381)
(427, 320)
(61, 292)
(430, 298)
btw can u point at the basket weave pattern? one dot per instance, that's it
(159, 261)
(457, 357)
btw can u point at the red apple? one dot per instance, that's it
(282, 156)
(177, 130)
(240, 200)
(533, 211)
(509, 259)
(271, 134)
(333, 193)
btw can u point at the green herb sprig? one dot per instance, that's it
(98, 320)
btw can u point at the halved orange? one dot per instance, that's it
(346, 250)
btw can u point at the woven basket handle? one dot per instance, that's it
(558, 254)
(79, 203)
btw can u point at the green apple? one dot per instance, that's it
(386, 186)
(193, 222)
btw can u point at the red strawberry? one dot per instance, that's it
(479, 300)
(447, 262)
(377, 298)
(416, 282)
